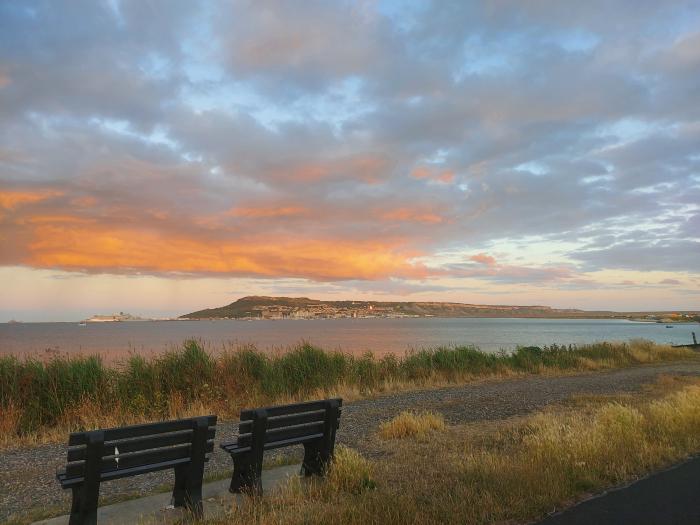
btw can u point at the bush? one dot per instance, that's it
(412, 424)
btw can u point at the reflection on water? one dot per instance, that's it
(350, 335)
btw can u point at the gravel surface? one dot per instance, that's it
(27, 476)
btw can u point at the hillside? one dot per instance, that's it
(305, 308)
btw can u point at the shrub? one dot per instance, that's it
(350, 472)
(411, 424)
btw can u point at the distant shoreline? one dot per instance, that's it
(264, 307)
(184, 319)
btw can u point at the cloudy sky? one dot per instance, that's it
(160, 157)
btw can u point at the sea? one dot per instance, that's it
(115, 340)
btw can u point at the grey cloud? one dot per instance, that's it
(491, 93)
(675, 255)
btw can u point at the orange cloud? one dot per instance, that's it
(12, 199)
(423, 173)
(264, 212)
(133, 232)
(100, 248)
(483, 258)
(447, 177)
(54, 219)
(412, 215)
(84, 201)
(310, 172)
(369, 169)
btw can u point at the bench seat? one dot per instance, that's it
(233, 448)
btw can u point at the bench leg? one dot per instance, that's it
(247, 474)
(83, 509)
(316, 459)
(180, 488)
(194, 497)
(247, 468)
(319, 454)
(187, 491)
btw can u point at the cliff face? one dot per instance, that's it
(305, 308)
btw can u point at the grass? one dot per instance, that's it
(412, 424)
(511, 472)
(42, 400)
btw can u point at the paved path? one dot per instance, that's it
(27, 476)
(156, 509)
(665, 498)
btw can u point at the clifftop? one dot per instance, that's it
(263, 307)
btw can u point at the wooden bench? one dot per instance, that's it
(104, 455)
(312, 424)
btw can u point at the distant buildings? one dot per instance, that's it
(324, 311)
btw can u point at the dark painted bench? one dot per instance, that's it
(312, 424)
(105, 455)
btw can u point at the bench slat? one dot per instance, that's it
(123, 473)
(141, 443)
(235, 449)
(286, 421)
(283, 410)
(137, 459)
(293, 432)
(113, 434)
(142, 469)
(292, 441)
(284, 433)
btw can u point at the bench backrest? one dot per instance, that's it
(285, 423)
(130, 450)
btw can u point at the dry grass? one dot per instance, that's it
(350, 472)
(412, 424)
(500, 472)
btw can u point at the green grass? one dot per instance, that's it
(68, 393)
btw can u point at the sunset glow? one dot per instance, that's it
(167, 157)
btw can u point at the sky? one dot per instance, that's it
(159, 157)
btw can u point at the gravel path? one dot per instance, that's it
(27, 476)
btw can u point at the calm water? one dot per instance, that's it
(351, 335)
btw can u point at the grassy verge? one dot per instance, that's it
(510, 473)
(41, 401)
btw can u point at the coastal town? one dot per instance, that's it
(327, 311)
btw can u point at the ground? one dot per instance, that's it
(27, 476)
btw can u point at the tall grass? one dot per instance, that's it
(67, 393)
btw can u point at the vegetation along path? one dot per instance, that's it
(27, 475)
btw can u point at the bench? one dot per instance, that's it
(312, 424)
(105, 455)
